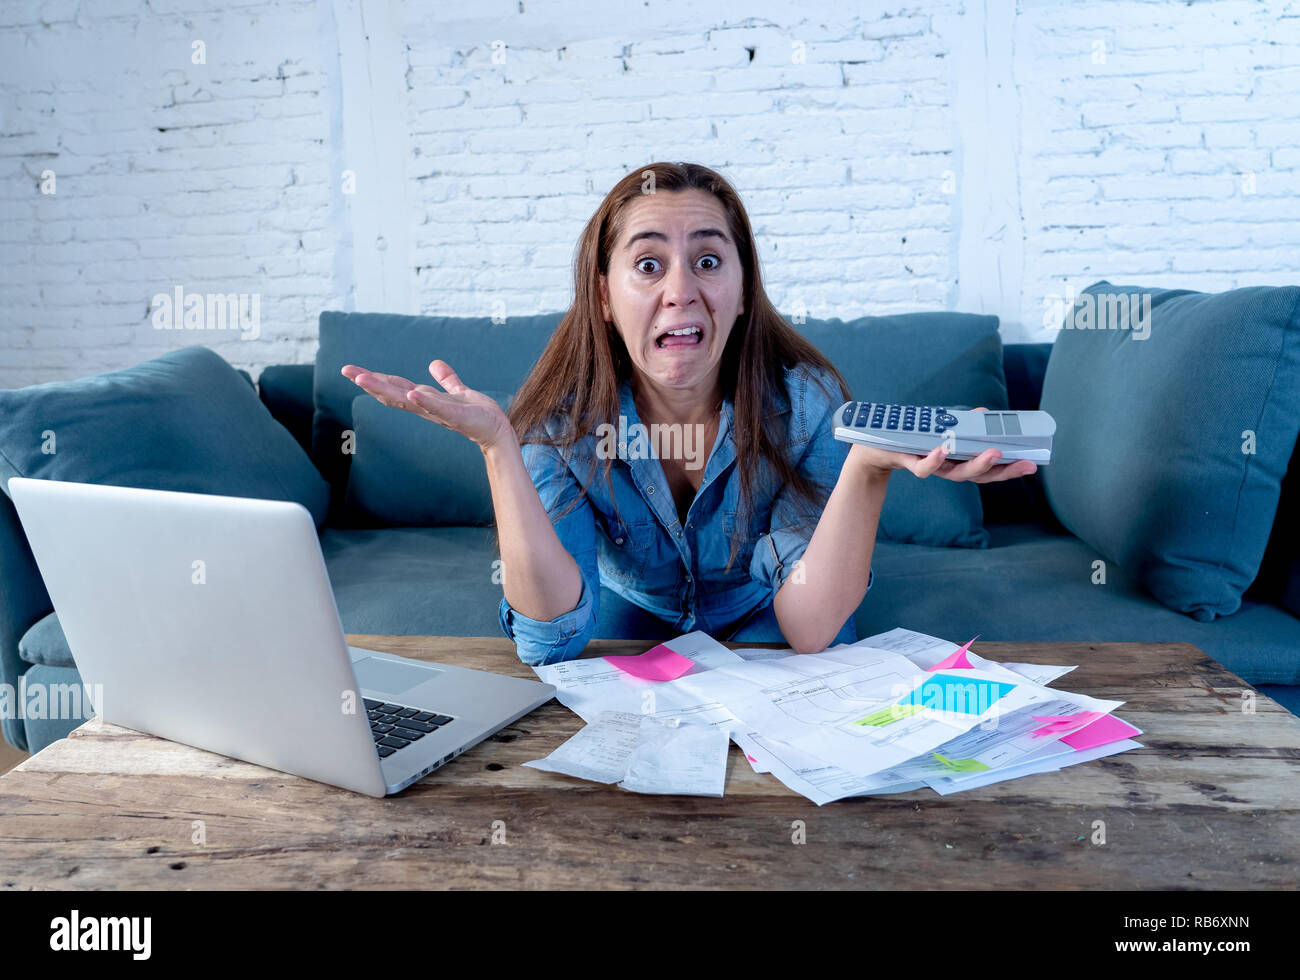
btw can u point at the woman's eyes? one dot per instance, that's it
(717, 263)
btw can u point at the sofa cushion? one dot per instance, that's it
(440, 580)
(957, 593)
(943, 358)
(948, 359)
(1175, 425)
(72, 705)
(408, 471)
(486, 356)
(185, 420)
(45, 644)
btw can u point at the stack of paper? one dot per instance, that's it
(645, 754)
(891, 713)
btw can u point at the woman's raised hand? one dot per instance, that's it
(457, 407)
(981, 469)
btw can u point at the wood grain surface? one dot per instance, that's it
(1212, 801)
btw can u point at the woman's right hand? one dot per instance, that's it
(462, 409)
(540, 579)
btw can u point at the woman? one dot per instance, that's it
(671, 332)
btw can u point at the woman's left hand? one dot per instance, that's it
(981, 469)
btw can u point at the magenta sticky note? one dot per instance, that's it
(1103, 731)
(656, 664)
(957, 659)
(1064, 723)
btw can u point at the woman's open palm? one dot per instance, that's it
(457, 407)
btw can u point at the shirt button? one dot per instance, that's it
(618, 540)
(650, 489)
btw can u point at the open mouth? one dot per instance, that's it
(690, 335)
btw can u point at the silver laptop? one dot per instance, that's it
(210, 620)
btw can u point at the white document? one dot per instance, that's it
(645, 755)
(863, 716)
(599, 751)
(947, 787)
(1003, 738)
(857, 719)
(809, 776)
(920, 649)
(1011, 742)
(754, 653)
(822, 783)
(926, 651)
(590, 685)
(689, 760)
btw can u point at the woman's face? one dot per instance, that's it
(675, 267)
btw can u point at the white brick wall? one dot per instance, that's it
(1157, 144)
(980, 157)
(213, 177)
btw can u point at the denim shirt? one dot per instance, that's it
(643, 552)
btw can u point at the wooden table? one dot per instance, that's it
(1212, 801)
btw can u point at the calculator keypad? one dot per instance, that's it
(898, 418)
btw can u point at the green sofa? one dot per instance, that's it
(409, 547)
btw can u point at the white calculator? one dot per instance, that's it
(919, 428)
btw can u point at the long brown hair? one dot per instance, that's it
(575, 381)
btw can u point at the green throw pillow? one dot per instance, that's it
(185, 420)
(1176, 416)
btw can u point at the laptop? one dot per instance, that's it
(210, 620)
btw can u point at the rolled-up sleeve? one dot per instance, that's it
(775, 556)
(564, 637)
(777, 551)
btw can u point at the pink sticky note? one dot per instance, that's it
(1104, 730)
(656, 664)
(958, 658)
(1064, 723)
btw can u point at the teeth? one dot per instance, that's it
(679, 332)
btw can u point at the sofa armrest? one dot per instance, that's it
(23, 601)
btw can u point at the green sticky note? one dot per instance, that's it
(961, 765)
(887, 716)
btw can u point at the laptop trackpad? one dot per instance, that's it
(389, 676)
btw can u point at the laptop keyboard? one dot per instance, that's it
(395, 726)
